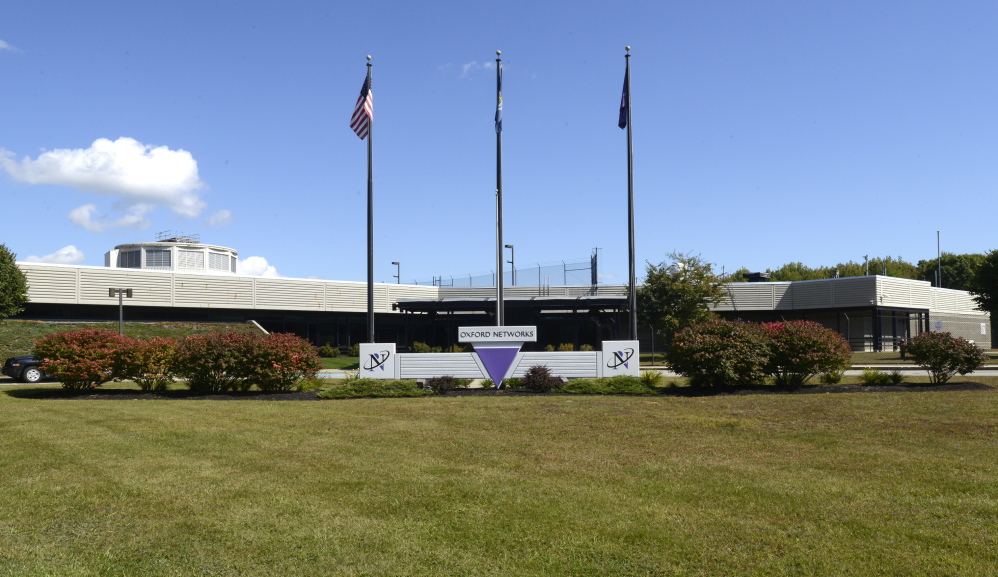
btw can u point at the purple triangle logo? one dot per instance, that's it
(497, 361)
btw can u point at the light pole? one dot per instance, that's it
(512, 262)
(398, 272)
(120, 293)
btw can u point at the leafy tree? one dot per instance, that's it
(958, 269)
(678, 295)
(984, 283)
(896, 267)
(943, 355)
(13, 284)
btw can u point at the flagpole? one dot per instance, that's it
(370, 220)
(500, 313)
(632, 301)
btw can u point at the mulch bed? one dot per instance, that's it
(129, 395)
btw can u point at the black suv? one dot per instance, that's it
(25, 369)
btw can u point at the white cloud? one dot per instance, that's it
(86, 217)
(132, 172)
(65, 255)
(467, 69)
(220, 219)
(257, 266)
(5, 46)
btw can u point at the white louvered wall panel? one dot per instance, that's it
(206, 291)
(783, 296)
(52, 284)
(149, 288)
(344, 296)
(953, 301)
(429, 365)
(289, 294)
(812, 295)
(854, 292)
(747, 297)
(575, 364)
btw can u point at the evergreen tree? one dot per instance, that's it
(13, 284)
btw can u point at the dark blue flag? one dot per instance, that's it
(499, 101)
(625, 101)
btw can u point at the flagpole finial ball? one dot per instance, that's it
(498, 52)
(368, 56)
(627, 48)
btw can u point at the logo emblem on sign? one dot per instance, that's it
(376, 360)
(620, 358)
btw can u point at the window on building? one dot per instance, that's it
(130, 259)
(157, 257)
(190, 259)
(218, 261)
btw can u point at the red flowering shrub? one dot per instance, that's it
(943, 355)
(82, 359)
(278, 362)
(720, 353)
(215, 362)
(151, 364)
(801, 349)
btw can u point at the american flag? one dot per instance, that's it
(363, 112)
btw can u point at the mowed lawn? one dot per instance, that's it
(825, 484)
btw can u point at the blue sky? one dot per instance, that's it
(764, 132)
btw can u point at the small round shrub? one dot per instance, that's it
(82, 360)
(441, 385)
(874, 377)
(538, 379)
(942, 355)
(831, 378)
(354, 350)
(587, 347)
(566, 347)
(328, 351)
(651, 378)
(720, 353)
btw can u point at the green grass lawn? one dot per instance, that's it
(340, 362)
(844, 484)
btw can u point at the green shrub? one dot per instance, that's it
(895, 377)
(359, 388)
(459, 348)
(418, 347)
(488, 384)
(549, 349)
(831, 377)
(354, 350)
(311, 384)
(587, 348)
(151, 364)
(82, 360)
(619, 385)
(874, 377)
(328, 351)
(942, 355)
(720, 353)
(538, 379)
(651, 379)
(800, 350)
(566, 347)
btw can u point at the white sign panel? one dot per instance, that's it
(621, 358)
(984, 328)
(377, 361)
(497, 335)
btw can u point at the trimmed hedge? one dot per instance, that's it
(720, 353)
(799, 350)
(361, 388)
